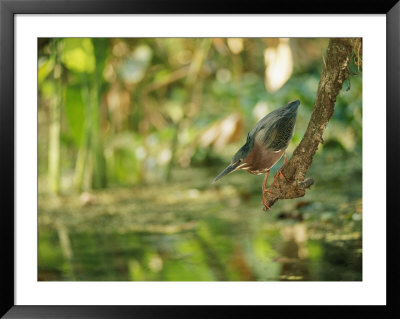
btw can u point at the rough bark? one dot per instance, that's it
(292, 182)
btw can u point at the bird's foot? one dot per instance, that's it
(285, 160)
(264, 201)
(280, 172)
(264, 189)
(277, 175)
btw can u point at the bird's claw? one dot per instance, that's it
(280, 173)
(276, 178)
(266, 207)
(285, 160)
(264, 201)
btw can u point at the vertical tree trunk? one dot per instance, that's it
(81, 166)
(99, 164)
(90, 169)
(55, 127)
(54, 145)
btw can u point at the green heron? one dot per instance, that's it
(265, 144)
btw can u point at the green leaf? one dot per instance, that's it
(78, 55)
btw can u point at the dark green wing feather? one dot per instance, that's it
(275, 130)
(276, 134)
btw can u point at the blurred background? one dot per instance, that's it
(131, 133)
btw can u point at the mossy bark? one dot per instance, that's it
(292, 182)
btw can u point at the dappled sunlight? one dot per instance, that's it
(278, 64)
(131, 134)
(223, 132)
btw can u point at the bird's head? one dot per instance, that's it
(238, 161)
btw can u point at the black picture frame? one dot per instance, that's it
(8, 10)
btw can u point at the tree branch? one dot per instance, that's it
(291, 183)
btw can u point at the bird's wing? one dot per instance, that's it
(284, 129)
(266, 135)
(276, 135)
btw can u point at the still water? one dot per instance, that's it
(190, 230)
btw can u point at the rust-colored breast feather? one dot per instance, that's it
(260, 160)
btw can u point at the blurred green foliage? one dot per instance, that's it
(133, 108)
(132, 132)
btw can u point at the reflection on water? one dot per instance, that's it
(191, 231)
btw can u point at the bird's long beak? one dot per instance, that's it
(231, 168)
